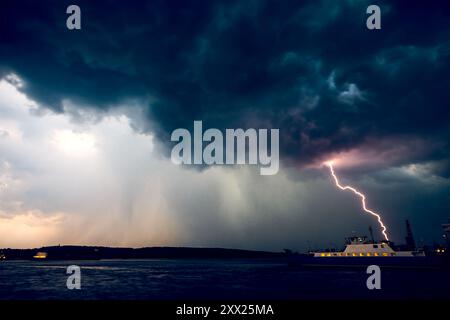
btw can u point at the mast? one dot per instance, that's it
(371, 234)
(410, 242)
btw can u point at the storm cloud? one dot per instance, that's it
(312, 69)
(375, 100)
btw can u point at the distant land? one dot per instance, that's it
(96, 253)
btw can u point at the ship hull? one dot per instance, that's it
(308, 261)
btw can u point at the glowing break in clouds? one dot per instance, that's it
(362, 196)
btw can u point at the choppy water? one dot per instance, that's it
(210, 279)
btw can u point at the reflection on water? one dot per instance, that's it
(210, 279)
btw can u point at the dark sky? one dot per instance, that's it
(378, 99)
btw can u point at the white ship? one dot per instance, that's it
(360, 247)
(359, 252)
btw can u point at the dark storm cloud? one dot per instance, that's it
(310, 68)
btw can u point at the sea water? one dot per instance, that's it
(163, 279)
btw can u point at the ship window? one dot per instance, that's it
(361, 254)
(354, 254)
(369, 254)
(393, 254)
(322, 254)
(385, 254)
(375, 246)
(328, 254)
(376, 254)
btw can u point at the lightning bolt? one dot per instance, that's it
(362, 196)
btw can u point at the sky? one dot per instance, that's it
(86, 117)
